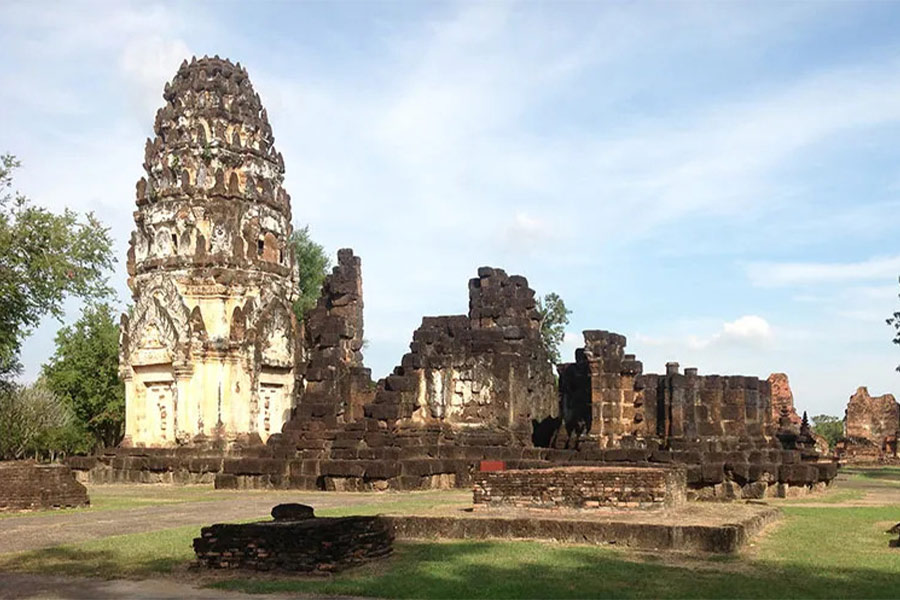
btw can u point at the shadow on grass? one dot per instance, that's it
(62, 560)
(887, 473)
(534, 570)
(76, 561)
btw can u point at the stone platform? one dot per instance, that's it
(696, 527)
(720, 470)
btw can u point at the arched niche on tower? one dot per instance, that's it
(276, 334)
(275, 380)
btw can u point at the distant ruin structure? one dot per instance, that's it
(782, 398)
(871, 428)
(209, 350)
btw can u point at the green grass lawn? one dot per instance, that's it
(885, 474)
(812, 552)
(111, 497)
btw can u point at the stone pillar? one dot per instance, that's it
(131, 433)
(185, 409)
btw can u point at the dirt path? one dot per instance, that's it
(18, 586)
(32, 533)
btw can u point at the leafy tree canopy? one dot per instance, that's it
(44, 257)
(313, 264)
(83, 372)
(829, 427)
(554, 318)
(894, 321)
(36, 423)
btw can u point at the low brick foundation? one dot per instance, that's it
(670, 535)
(25, 485)
(309, 545)
(722, 470)
(582, 488)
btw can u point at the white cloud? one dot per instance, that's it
(774, 274)
(749, 330)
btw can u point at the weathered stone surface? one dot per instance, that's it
(605, 396)
(871, 428)
(323, 545)
(25, 485)
(782, 397)
(723, 538)
(619, 487)
(292, 512)
(209, 350)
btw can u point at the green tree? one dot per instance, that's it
(829, 427)
(895, 323)
(554, 318)
(44, 257)
(36, 423)
(313, 264)
(83, 372)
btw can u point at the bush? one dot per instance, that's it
(37, 424)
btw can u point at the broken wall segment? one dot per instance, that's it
(486, 370)
(336, 383)
(782, 398)
(582, 487)
(209, 350)
(871, 428)
(26, 485)
(606, 397)
(309, 545)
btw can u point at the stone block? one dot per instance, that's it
(713, 472)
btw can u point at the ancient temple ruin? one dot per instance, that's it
(871, 428)
(209, 350)
(216, 364)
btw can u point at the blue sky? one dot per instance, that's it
(717, 181)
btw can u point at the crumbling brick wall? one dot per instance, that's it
(337, 385)
(782, 397)
(25, 485)
(625, 405)
(582, 487)
(314, 545)
(871, 427)
(488, 369)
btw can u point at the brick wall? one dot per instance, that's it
(25, 485)
(606, 397)
(581, 487)
(310, 545)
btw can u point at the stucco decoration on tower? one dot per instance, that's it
(210, 347)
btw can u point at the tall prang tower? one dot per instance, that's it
(209, 350)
